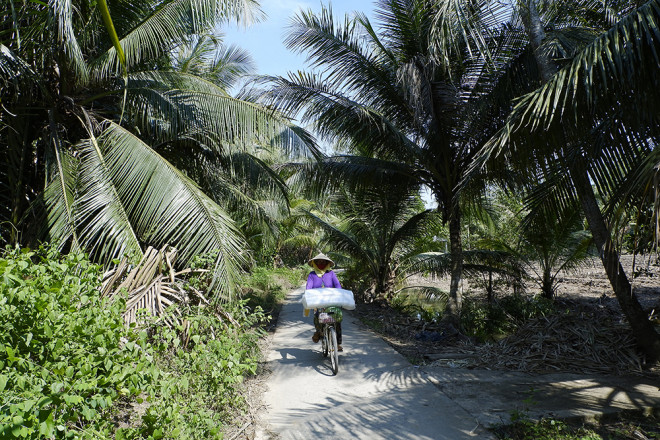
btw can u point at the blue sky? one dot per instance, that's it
(265, 40)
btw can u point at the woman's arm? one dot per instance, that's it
(310, 281)
(335, 280)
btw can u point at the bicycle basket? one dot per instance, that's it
(336, 313)
(326, 318)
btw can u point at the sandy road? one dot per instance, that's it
(377, 393)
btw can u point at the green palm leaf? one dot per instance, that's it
(59, 199)
(166, 207)
(63, 11)
(169, 25)
(106, 231)
(616, 73)
(171, 105)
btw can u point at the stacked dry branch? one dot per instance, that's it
(564, 343)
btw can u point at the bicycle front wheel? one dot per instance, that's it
(325, 342)
(334, 353)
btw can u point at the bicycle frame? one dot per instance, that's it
(329, 339)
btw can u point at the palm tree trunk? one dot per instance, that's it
(456, 257)
(547, 291)
(534, 29)
(647, 338)
(18, 184)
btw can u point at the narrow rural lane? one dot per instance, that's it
(377, 393)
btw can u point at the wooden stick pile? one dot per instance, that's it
(583, 343)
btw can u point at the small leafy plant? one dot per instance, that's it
(487, 321)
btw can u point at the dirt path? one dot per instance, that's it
(377, 393)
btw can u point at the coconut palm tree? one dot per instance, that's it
(103, 143)
(593, 119)
(405, 101)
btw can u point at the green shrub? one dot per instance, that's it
(65, 357)
(69, 368)
(200, 384)
(419, 306)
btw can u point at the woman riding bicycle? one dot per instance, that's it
(323, 276)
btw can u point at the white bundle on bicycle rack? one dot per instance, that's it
(328, 296)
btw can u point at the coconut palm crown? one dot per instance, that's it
(103, 139)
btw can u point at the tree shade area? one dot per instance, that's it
(533, 123)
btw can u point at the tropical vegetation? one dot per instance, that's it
(591, 120)
(533, 123)
(405, 103)
(433, 93)
(70, 368)
(376, 233)
(115, 136)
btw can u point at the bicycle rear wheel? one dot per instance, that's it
(334, 353)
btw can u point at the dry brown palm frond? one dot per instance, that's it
(152, 287)
(565, 342)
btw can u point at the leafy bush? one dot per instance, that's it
(201, 375)
(488, 321)
(65, 357)
(419, 305)
(69, 368)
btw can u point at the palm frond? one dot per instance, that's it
(59, 199)
(106, 232)
(166, 207)
(173, 105)
(17, 79)
(345, 242)
(430, 292)
(62, 13)
(352, 172)
(336, 116)
(618, 70)
(438, 264)
(463, 28)
(414, 227)
(169, 25)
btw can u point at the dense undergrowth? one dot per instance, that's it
(69, 368)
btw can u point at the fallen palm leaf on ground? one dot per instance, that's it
(567, 342)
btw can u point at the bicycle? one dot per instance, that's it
(327, 318)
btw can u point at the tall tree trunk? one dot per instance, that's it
(647, 338)
(534, 29)
(456, 257)
(643, 330)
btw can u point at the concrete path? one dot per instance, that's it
(378, 394)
